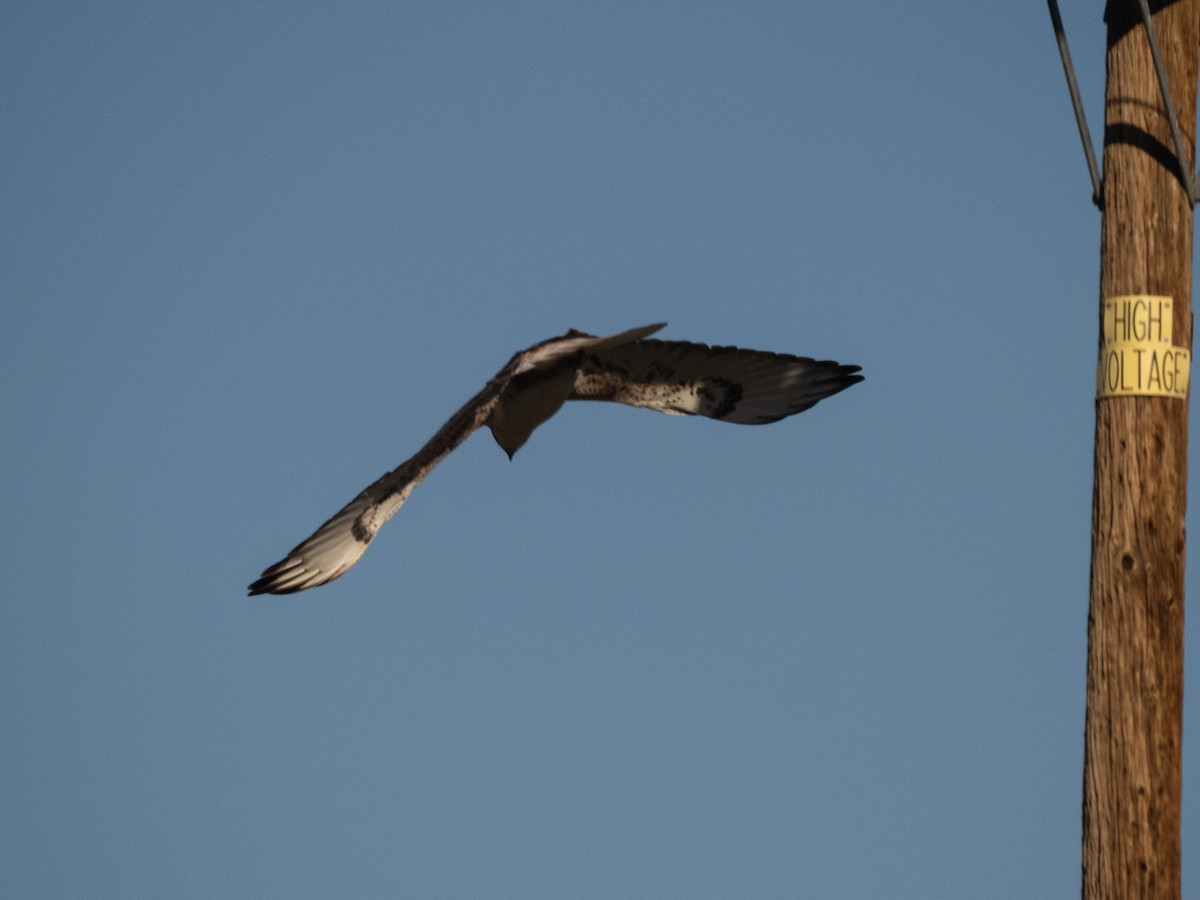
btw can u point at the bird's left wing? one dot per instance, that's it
(337, 545)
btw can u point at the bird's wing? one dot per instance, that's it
(336, 546)
(750, 387)
(549, 351)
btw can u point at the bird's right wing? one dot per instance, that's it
(750, 387)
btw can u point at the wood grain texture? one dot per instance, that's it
(1133, 731)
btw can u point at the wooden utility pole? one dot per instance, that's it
(1133, 732)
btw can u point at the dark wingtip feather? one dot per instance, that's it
(842, 375)
(262, 585)
(272, 576)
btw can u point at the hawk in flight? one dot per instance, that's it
(749, 387)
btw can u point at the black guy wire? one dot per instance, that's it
(1073, 86)
(1185, 168)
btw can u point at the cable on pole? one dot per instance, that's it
(1073, 86)
(1185, 168)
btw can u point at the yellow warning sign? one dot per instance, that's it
(1137, 357)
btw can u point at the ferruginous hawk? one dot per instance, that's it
(749, 387)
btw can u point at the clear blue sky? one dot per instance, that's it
(254, 254)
